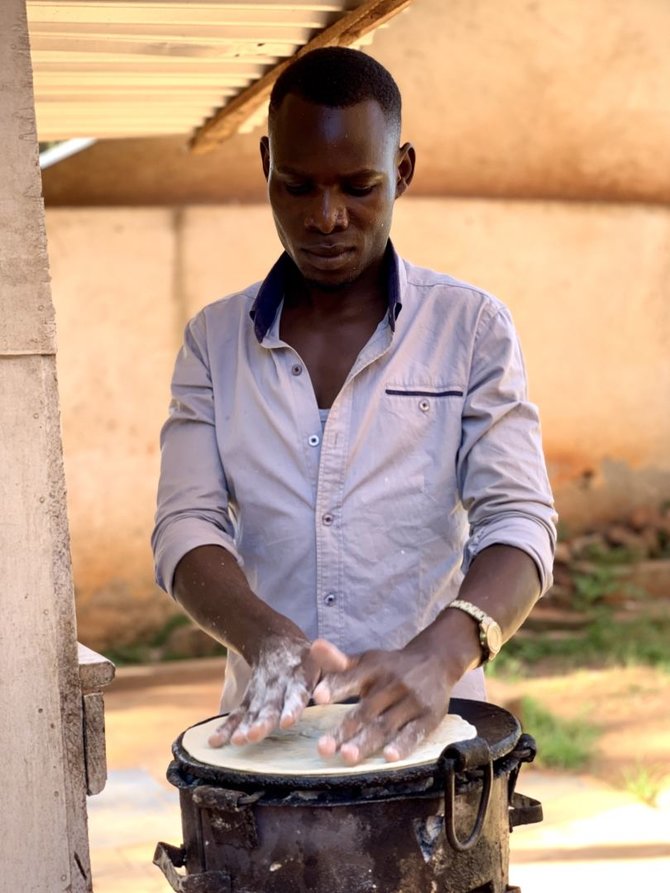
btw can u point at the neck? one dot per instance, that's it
(365, 296)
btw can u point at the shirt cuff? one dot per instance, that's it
(181, 537)
(529, 535)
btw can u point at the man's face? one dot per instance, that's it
(333, 176)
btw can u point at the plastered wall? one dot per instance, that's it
(588, 285)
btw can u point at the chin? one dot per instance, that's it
(330, 280)
(329, 283)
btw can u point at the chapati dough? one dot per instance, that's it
(293, 751)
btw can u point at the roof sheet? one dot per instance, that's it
(128, 68)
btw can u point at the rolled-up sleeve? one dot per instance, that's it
(192, 493)
(501, 470)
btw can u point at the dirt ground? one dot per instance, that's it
(630, 706)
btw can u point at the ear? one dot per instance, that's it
(265, 155)
(405, 164)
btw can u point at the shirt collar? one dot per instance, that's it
(271, 292)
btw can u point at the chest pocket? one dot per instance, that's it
(437, 405)
(430, 419)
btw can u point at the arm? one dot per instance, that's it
(197, 562)
(507, 562)
(406, 693)
(211, 587)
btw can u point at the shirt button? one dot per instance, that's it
(296, 369)
(327, 519)
(330, 599)
(314, 440)
(424, 405)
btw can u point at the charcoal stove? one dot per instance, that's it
(441, 827)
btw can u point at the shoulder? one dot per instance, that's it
(222, 320)
(229, 307)
(444, 294)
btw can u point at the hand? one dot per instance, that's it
(404, 696)
(283, 677)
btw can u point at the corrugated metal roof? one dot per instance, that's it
(128, 68)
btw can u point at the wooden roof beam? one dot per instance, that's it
(352, 26)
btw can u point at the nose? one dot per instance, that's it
(327, 213)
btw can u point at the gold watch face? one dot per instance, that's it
(493, 639)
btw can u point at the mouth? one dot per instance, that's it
(328, 249)
(328, 257)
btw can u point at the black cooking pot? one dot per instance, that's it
(439, 827)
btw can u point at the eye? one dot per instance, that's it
(297, 188)
(359, 190)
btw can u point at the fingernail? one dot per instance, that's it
(326, 745)
(257, 733)
(391, 754)
(350, 753)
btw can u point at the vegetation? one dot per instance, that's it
(604, 641)
(561, 744)
(160, 646)
(644, 782)
(608, 636)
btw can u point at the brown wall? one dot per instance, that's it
(587, 284)
(542, 99)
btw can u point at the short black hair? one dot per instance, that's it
(338, 77)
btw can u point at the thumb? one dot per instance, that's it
(329, 658)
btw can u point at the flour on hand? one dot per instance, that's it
(278, 691)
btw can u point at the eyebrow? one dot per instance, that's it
(362, 174)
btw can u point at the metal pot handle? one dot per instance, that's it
(457, 757)
(523, 810)
(169, 858)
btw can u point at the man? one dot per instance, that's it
(334, 431)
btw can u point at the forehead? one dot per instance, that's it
(306, 135)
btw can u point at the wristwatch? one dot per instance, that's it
(490, 635)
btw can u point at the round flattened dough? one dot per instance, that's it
(293, 751)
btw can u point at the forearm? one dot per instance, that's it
(504, 583)
(211, 587)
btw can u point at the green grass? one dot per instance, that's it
(561, 744)
(604, 641)
(644, 782)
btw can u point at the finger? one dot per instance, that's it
(356, 682)
(366, 712)
(223, 733)
(297, 698)
(340, 685)
(263, 712)
(374, 735)
(255, 728)
(282, 707)
(332, 689)
(367, 727)
(362, 672)
(330, 743)
(408, 739)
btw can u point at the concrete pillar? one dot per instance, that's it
(42, 777)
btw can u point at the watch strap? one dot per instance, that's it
(484, 621)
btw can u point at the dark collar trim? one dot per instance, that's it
(271, 293)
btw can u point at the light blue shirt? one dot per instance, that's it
(360, 529)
